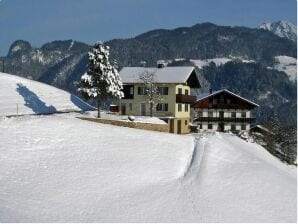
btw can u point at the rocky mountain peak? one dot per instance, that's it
(282, 29)
(19, 46)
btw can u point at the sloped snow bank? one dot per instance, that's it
(54, 168)
(20, 96)
(61, 169)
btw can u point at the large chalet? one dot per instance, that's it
(223, 111)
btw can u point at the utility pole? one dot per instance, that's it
(2, 65)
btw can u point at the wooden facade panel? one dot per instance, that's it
(223, 100)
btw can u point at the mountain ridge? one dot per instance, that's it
(61, 63)
(282, 29)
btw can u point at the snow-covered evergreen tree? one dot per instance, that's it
(102, 78)
(151, 90)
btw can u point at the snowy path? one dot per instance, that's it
(61, 169)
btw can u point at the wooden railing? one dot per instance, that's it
(181, 98)
(226, 119)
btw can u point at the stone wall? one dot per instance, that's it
(129, 124)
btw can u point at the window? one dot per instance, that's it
(210, 126)
(243, 114)
(243, 127)
(233, 127)
(179, 90)
(179, 107)
(162, 107)
(200, 113)
(141, 90)
(163, 90)
(214, 101)
(130, 106)
(131, 90)
(233, 114)
(200, 126)
(186, 92)
(185, 122)
(210, 113)
(228, 101)
(186, 107)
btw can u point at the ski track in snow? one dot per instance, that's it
(61, 169)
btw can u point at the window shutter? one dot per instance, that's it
(166, 107)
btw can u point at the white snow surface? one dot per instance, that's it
(23, 96)
(175, 74)
(288, 65)
(218, 61)
(62, 169)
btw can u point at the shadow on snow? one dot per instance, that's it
(80, 103)
(32, 101)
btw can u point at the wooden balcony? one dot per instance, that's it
(226, 119)
(181, 98)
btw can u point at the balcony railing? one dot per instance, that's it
(226, 119)
(180, 98)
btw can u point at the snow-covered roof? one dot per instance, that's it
(207, 95)
(177, 74)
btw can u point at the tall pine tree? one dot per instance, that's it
(102, 78)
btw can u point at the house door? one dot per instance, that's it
(179, 127)
(171, 125)
(221, 127)
(143, 109)
(123, 108)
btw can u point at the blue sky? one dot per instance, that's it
(41, 21)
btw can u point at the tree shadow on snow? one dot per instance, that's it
(80, 103)
(32, 101)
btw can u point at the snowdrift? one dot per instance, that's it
(20, 96)
(60, 169)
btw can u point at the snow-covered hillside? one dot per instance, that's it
(218, 61)
(23, 96)
(61, 169)
(288, 65)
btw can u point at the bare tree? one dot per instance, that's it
(151, 90)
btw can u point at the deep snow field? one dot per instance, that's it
(57, 168)
(23, 96)
(62, 169)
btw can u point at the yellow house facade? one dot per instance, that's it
(174, 86)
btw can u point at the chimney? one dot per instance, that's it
(210, 90)
(161, 64)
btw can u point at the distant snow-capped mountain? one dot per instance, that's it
(283, 29)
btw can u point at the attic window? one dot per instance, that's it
(141, 90)
(163, 90)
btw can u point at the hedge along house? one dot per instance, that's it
(174, 85)
(223, 111)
